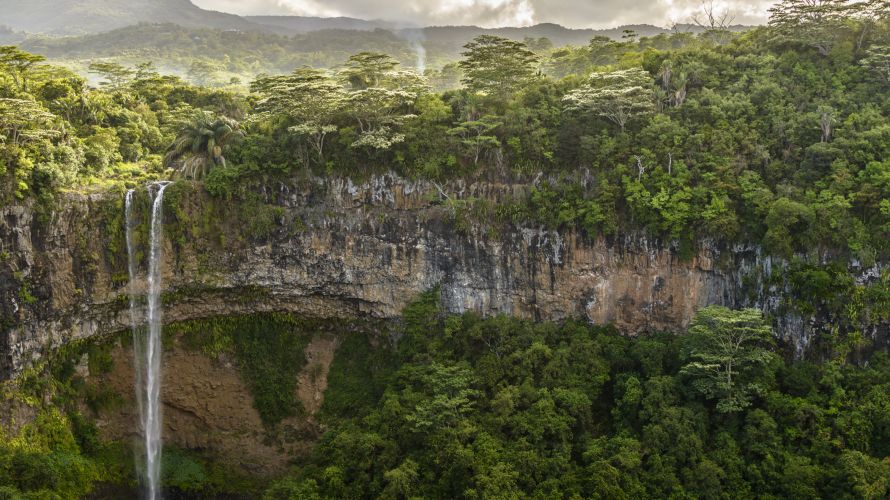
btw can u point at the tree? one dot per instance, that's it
(618, 96)
(629, 35)
(401, 481)
(308, 99)
(145, 70)
(867, 14)
(725, 347)
(448, 77)
(868, 476)
(201, 141)
(715, 22)
(438, 396)
(18, 64)
(826, 122)
(23, 121)
(367, 69)
(497, 66)
(477, 135)
(604, 50)
(379, 113)
(878, 61)
(542, 44)
(817, 23)
(115, 75)
(202, 72)
(408, 81)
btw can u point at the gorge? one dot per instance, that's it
(374, 264)
(342, 249)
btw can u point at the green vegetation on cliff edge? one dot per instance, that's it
(778, 135)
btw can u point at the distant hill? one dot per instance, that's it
(86, 17)
(174, 48)
(300, 24)
(75, 17)
(10, 37)
(175, 33)
(557, 34)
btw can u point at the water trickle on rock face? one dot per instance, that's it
(138, 340)
(148, 348)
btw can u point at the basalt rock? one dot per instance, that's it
(334, 248)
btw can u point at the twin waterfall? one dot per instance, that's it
(147, 347)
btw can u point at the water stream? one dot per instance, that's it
(147, 348)
(138, 340)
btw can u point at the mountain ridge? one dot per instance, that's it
(80, 17)
(87, 17)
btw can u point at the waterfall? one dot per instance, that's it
(147, 349)
(138, 341)
(152, 422)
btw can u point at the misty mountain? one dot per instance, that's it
(73, 17)
(559, 35)
(86, 17)
(301, 24)
(175, 33)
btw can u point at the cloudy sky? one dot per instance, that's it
(571, 13)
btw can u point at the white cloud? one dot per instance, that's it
(571, 13)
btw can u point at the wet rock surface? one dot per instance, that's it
(335, 248)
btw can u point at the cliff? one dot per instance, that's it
(332, 248)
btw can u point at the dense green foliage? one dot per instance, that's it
(503, 408)
(760, 136)
(57, 133)
(759, 139)
(57, 452)
(464, 407)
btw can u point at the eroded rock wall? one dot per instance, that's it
(333, 248)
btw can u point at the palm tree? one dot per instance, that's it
(200, 142)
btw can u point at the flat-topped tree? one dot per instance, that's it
(726, 352)
(307, 99)
(18, 64)
(379, 113)
(367, 69)
(817, 23)
(477, 136)
(23, 121)
(618, 96)
(878, 61)
(497, 66)
(115, 75)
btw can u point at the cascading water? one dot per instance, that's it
(152, 424)
(147, 348)
(138, 340)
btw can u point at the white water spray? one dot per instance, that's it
(152, 424)
(147, 349)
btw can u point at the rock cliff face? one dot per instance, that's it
(337, 249)
(207, 406)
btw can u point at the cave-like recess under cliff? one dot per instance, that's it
(329, 248)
